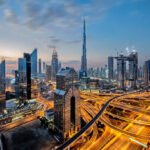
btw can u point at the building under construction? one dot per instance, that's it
(124, 74)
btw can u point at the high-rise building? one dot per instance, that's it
(133, 69)
(34, 62)
(67, 102)
(48, 72)
(54, 65)
(44, 67)
(147, 72)
(22, 64)
(21, 80)
(40, 66)
(121, 71)
(110, 68)
(83, 71)
(28, 74)
(141, 73)
(2, 76)
(22, 68)
(59, 66)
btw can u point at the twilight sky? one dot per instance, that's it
(112, 25)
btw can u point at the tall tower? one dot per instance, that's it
(40, 65)
(110, 68)
(34, 62)
(67, 103)
(28, 74)
(54, 65)
(83, 71)
(2, 76)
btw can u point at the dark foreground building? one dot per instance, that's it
(67, 102)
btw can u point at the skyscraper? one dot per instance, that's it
(83, 71)
(54, 65)
(22, 70)
(44, 67)
(147, 72)
(110, 68)
(28, 74)
(22, 64)
(48, 72)
(34, 62)
(133, 69)
(2, 76)
(121, 71)
(67, 102)
(40, 65)
(21, 80)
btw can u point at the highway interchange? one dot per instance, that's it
(124, 118)
(127, 130)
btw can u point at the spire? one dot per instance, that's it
(84, 37)
(84, 59)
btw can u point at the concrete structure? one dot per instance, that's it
(67, 103)
(83, 71)
(122, 75)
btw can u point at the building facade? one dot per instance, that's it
(28, 74)
(133, 69)
(40, 65)
(67, 103)
(147, 72)
(34, 62)
(48, 72)
(110, 68)
(2, 76)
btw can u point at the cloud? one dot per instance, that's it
(10, 16)
(1, 2)
(52, 14)
(73, 41)
(57, 14)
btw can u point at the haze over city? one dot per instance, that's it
(112, 25)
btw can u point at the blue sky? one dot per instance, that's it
(112, 25)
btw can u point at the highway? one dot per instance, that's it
(117, 140)
(138, 122)
(85, 128)
(47, 105)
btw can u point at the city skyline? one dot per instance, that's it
(117, 24)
